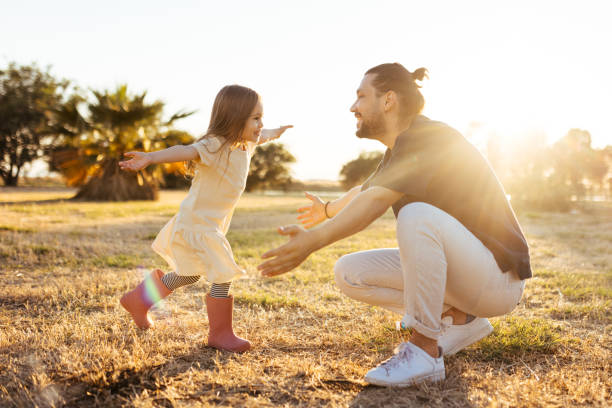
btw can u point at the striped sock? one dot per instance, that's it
(220, 290)
(173, 281)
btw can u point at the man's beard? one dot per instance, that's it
(372, 128)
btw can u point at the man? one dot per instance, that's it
(462, 256)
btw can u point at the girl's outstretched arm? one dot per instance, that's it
(271, 134)
(140, 160)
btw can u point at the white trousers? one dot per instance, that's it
(439, 264)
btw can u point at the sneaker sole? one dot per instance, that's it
(435, 377)
(483, 331)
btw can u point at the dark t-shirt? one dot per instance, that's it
(433, 163)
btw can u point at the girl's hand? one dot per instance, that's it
(138, 161)
(313, 214)
(271, 134)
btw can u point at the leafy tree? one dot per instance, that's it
(270, 168)
(524, 165)
(358, 170)
(27, 98)
(545, 177)
(607, 154)
(89, 147)
(577, 165)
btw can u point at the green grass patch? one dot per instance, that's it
(149, 237)
(267, 301)
(545, 273)
(331, 297)
(577, 286)
(255, 239)
(515, 336)
(117, 261)
(13, 228)
(41, 249)
(272, 210)
(587, 292)
(98, 210)
(593, 312)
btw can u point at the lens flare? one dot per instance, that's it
(153, 294)
(151, 290)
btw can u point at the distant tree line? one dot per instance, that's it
(83, 135)
(552, 177)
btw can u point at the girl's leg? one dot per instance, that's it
(174, 281)
(220, 307)
(139, 300)
(220, 290)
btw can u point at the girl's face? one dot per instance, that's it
(254, 124)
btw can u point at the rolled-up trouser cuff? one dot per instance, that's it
(408, 321)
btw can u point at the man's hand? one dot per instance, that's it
(289, 256)
(358, 214)
(313, 214)
(138, 161)
(271, 134)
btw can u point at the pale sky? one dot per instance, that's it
(511, 68)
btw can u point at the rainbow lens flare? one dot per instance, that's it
(151, 290)
(152, 293)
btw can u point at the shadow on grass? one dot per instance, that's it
(43, 305)
(116, 387)
(452, 392)
(119, 387)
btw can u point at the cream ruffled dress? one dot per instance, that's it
(193, 242)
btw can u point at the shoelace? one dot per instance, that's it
(403, 354)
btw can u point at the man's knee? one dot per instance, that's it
(418, 213)
(419, 218)
(342, 271)
(341, 268)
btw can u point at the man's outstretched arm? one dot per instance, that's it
(366, 207)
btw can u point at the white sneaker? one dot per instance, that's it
(410, 365)
(457, 337)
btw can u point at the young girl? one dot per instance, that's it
(193, 242)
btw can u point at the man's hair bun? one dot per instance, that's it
(420, 74)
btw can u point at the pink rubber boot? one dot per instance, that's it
(221, 335)
(138, 301)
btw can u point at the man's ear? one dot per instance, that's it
(390, 100)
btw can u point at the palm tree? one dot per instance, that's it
(89, 147)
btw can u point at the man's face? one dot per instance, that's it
(368, 109)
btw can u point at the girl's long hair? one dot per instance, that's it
(232, 107)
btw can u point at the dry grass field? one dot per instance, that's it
(65, 341)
